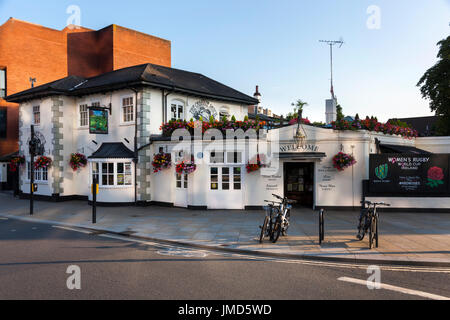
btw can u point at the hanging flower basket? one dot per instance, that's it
(255, 165)
(341, 161)
(16, 162)
(161, 161)
(43, 162)
(186, 168)
(77, 161)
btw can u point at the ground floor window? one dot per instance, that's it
(182, 181)
(111, 174)
(40, 175)
(226, 178)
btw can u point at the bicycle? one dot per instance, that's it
(368, 222)
(282, 220)
(267, 227)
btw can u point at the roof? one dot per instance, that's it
(112, 150)
(424, 125)
(390, 148)
(8, 157)
(141, 75)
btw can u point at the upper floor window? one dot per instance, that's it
(127, 110)
(36, 115)
(176, 110)
(84, 115)
(2, 83)
(3, 123)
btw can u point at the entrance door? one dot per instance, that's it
(181, 188)
(299, 182)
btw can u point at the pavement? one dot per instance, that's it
(420, 239)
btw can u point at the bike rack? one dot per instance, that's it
(321, 226)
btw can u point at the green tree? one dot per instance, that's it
(339, 115)
(435, 86)
(299, 107)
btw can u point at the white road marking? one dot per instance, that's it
(182, 253)
(272, 259)
(397, 289)
(72, 229)
(3, 218)
(13, 230)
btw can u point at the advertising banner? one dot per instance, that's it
(409, 174)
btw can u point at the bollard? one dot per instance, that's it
(94, 200)
(321, 226)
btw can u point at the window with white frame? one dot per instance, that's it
(40, 174)
(107, 174)
(182, 181)
(110, 174)
(225, 157)
(176, 110)
(36, 115)
(124, 176)
(84, 115)
(226, 178)
(127, 110)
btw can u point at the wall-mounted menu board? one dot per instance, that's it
(409, 174)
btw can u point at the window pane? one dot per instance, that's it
(225, 170)
(214, 186)
(237, 170)
(120, 168)
(225, 186)
(237, 186)
(214, 178)
(214, 170)
(2, 83)
(111, 167)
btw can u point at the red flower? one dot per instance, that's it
(435, 173)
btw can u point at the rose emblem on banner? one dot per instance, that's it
(435, 177)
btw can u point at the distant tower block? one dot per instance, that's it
(330, 111)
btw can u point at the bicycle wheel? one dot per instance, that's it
(372, 232)
(263, 229)
(276, 231)
(376, 232)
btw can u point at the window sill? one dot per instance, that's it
(116, 187)
(126, 124)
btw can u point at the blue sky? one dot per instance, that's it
(275, 44)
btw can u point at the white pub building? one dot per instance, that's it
(114, 119)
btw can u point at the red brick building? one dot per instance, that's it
(29, 51)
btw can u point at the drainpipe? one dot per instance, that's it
(136, 156)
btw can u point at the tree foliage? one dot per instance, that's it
(435, 86)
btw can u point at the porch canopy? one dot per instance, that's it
(112, 150)
(302, 155)
(391, 148)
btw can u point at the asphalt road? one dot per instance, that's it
(34, 259)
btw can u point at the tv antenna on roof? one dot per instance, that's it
(332, 43)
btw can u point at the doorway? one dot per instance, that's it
(299, 182)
